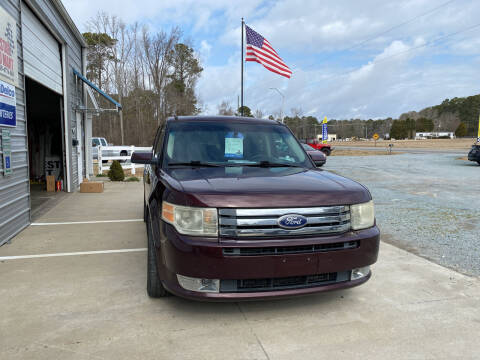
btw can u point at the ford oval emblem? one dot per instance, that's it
(292, 221)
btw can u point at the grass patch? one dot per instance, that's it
(101, 175)
(132, 178)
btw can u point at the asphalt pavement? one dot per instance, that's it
(425, 203)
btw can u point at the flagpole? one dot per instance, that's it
(241, 61)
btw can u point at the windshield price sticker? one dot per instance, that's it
(234, 145)
(234, 148)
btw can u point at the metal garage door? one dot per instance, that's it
(41, 52)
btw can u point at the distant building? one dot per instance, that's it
(434, 135)
(331, 137)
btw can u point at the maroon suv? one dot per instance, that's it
(236, 209)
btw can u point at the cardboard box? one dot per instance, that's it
(91, 187)
(50, 183)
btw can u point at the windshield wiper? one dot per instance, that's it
(195, 163)
(268, 164)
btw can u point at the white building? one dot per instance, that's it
(331, 137)
(433, 135)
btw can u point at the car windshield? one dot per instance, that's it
(232, 144)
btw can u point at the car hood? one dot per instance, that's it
(261, 187)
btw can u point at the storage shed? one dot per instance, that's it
(44, 128)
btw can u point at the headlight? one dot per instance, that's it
(191, 220)
(362, 215)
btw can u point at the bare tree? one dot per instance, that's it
(157, 48)
(121, 53)
(258, 114)
(297, 112)
(225, 108)
(152, 74)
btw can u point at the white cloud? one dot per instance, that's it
(204, 50)
(336, 73)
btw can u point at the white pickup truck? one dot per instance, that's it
(110, 151)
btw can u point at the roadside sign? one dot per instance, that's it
(7, 152)
(324, 120)
(375, 136)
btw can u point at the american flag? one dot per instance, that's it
(260, 50)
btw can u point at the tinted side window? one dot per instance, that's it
(95, 142)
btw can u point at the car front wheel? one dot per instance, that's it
(326, 151)
(155, 288)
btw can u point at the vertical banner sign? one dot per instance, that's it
(478, 135)
(8, 109)
(7, 152)
(8, 48)
(324, 131)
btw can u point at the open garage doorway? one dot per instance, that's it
(45, 145)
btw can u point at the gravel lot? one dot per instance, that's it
(428, 204)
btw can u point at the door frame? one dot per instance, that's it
(80, 143)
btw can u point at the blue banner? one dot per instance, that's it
(324, 133)
(8, 114)
(8, 105)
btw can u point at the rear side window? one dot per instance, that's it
(104, 143)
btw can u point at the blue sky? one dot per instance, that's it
(432, 52)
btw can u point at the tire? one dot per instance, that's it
(144, 212)
(326, 151)
(478, 162)
(155, 288)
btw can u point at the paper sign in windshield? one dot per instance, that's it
(234, 148)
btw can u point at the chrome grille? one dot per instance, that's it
(264, 222)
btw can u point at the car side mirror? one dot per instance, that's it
(140, 157)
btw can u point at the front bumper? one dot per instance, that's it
(193, 257)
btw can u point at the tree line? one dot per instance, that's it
(151, 73)
(458, 115)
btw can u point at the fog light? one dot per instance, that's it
(201, 285)
(359, 273)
